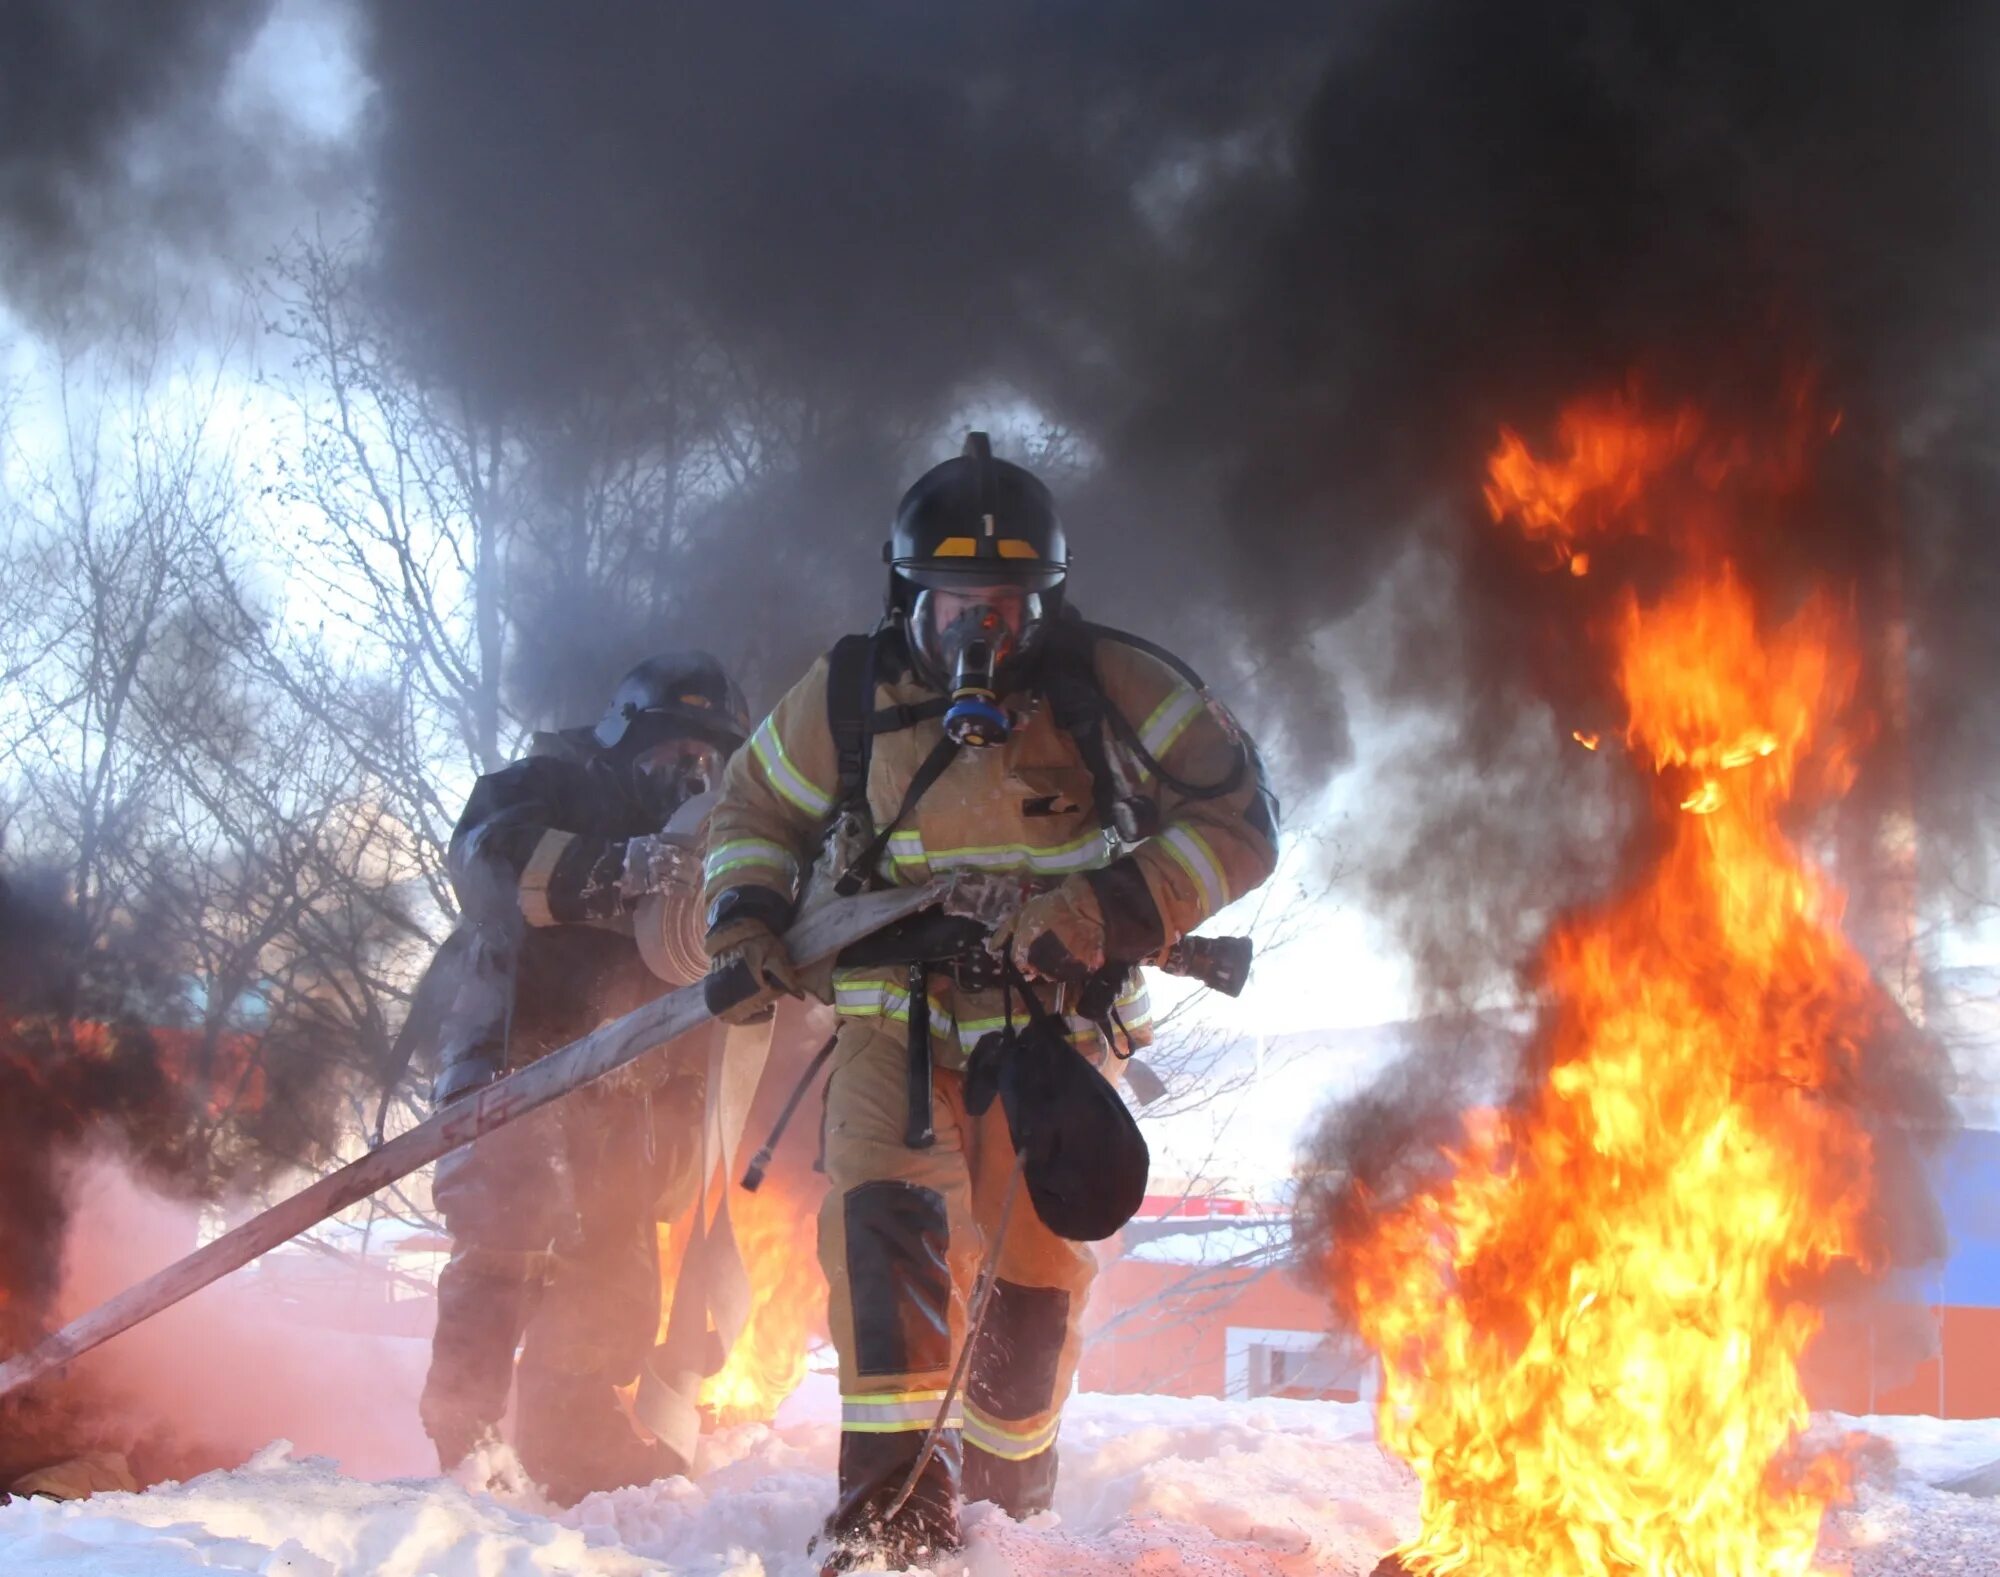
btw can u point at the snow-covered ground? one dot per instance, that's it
(1150, 1485)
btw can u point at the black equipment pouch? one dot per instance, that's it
(1085, 1162)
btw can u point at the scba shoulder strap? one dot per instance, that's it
(850, 701)
(853, 720)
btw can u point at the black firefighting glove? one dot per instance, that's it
(744, 929)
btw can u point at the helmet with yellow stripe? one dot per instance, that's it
(976, 521)
(973, 532)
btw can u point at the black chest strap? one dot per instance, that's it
(856, 876)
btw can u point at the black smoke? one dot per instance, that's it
(128, 174)
(1283, 271)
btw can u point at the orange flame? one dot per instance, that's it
(776, 1235)
(1610, 455)
(1590, 1331)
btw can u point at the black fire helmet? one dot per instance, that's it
(976, 521)
(671, 694)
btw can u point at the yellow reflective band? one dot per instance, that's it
(1170, 720)
(1011, 1443)
(956, 548)
(1015, 548)
(872, 997)
(748, 851)
(783, 776)
(1083, 854)
(895, 1413)
(1192, 853)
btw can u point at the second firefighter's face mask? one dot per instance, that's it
(674, 771)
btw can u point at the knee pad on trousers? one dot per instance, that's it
(898, 1277)
(1020, 1349)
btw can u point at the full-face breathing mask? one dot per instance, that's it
(967, 654)
(670, 774)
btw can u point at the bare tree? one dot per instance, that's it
(239, 873)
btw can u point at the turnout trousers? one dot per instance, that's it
(555, 1256)
(901, 1237)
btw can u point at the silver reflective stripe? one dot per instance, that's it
(1169, 720)
(535, 877)
(1135, 1007)
(895, 1413)
(1192, 853)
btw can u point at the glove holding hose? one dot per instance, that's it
(1067, 933)
(746, 926)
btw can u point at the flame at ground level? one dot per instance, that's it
(1591, 1327)
(777, 1235)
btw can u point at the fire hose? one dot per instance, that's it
(831, 929)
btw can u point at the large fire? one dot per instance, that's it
(1591, 1329)
(775, 1233)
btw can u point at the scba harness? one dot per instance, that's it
(1065, 678)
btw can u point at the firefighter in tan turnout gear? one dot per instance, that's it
(981, 726)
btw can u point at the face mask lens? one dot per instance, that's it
(676, 771)
(950, 625)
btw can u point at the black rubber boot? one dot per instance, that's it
(1018, 1488)
(574, 1438)
(873, 1469)
(482, 1306)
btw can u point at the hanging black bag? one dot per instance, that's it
(1086, 1161)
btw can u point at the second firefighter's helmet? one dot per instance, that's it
(673, 694)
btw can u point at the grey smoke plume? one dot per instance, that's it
(1282, 271)
(128, 168)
